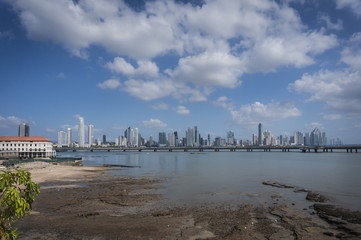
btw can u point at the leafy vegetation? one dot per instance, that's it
(17, 193)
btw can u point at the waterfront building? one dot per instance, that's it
(62, 139)
(28, 147)
(104, 139)
(81, 132)
(230, 138)
(196, 140)
(90, 135)
(260, 137)
(171, 139)
(162, 140)
(190, 137)
(69, 139)
(24, 130)
(136, 140)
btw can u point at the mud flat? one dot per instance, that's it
(86, 203)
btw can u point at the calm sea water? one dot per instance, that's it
(194, 177)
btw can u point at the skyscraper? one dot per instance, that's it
(24, 130)
(81, 132)
(196, 140)
(104, 139)
(61, 138)
(90, 134)
(136, 140)
(70, 135)
(260, 138)
(162, 140)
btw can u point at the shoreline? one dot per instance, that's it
(79, 202)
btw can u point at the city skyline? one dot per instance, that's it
(221, 66)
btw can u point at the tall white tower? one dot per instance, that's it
(81, 132)
(90, 134)
(69, 142)
(136, 137)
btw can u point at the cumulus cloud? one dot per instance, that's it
(330, 25)
(154, 123)
(109, 84)
(251, 114)
(224, 102)
(216, 42)
(9, 35)
(182, 110)
(60, 75)
(353, 5)
(340, 90)
(145, 67)
(210, 69)
(332, 116)
(10, 122)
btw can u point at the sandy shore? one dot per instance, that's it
(86, 203)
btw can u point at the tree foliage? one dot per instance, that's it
(17, 193)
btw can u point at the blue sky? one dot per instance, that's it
(170, 65)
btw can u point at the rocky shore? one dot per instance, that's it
(87, 203)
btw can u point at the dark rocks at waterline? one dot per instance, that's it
(316, 197)
(277, 184)
(334, 214)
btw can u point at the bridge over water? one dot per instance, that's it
(315, 149)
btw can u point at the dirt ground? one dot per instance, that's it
(86, 203)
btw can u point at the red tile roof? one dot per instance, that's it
(24, 139)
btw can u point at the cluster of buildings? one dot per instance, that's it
(313, 138)
(192, 138)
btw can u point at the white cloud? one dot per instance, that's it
(149, 90)
(216, 42)
(340, 90)
(351, 54)
(109, 84)
(224, 102)
(72, 127)
(251, 114)
(153, 123)
(160, 106)
(145, 67)
(330, 25)
(182, 110)
(354, 5)
(209, 69)
(10, 122)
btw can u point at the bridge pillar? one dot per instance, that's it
(108, 150)
(91, 150)
(350, 149)
(315, 150)
(140, 150)
(355, 149)
(170, 149)
(123, 150)
(155, 150)
(74, 150)
(331, 149)
(186, 150)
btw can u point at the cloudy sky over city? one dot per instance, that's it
(292, 65)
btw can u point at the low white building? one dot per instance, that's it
(28, 147)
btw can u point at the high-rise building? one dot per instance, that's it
(230, 138)
(90, 135)
(260, 137)
(127, 136)
(136, 140)
(81, 132)
(196, 139)
(24, 130)
(162, 140)
(70, 135)
(61, 138)
(190, 137)
(104, 139)
(171, 139)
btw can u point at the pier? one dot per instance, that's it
(304, 149)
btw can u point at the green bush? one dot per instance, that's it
(17, 193)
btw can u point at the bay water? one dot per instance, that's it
(234, 177)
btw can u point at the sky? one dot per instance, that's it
(164, 65)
